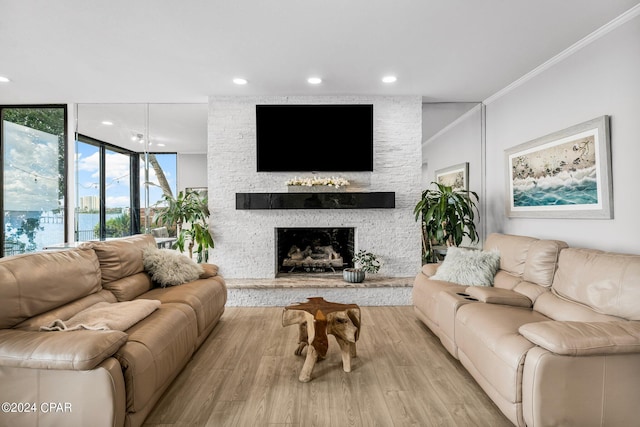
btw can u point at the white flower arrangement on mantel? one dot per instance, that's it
(330, 183)
(313, 181)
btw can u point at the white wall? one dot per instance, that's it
(192, 171)
(438, 115)
(245, 239)
(459, 142)
(602, 78)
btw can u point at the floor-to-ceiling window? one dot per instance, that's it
(160, 178)
(88, 179)
(106, 191)
(156, 132)
(32, 141)
(117, 193)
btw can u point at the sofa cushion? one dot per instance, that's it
(606, 282)
(558, 308)
(75, 350)
(121, 257)
(158, 348)
(206, 297)
(425, 296)
(528, 258)
(130, 287)
(66, 311)
(513, 251)
(506, 280)
(488, 339)
(38, 282)
(105, 316)
(542, 261)
(531, 290)
(585, 338)
(492, 295)
(468, 267)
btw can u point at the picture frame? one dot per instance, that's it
(456, 176)
(202, 191)
(566, 174)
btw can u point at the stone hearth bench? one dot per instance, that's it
(376, 290)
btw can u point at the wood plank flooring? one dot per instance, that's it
(246, 375)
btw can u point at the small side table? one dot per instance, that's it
(317, 319)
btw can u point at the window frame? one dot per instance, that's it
(134, 184)
(65, 159)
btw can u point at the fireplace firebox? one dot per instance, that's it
(314, 250)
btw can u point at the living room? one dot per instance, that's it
(468, 88)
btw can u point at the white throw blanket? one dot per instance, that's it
(102, 316)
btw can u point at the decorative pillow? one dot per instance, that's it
(168, 267)
(468, 267)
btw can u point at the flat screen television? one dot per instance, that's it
(314, 138)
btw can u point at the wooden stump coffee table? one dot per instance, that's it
(317, 319)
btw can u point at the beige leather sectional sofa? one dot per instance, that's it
(555, 341)
(95, 377)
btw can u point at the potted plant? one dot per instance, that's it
(189, 212)
(365, 262)
(447, 216)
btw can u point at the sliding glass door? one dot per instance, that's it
(88, 179)
(117, 194)
(106, 200)
(32, 140)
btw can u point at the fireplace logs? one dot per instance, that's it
(314, 250)
(316, 258)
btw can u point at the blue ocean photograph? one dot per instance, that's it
(556, 175)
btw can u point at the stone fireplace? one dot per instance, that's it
(245, 246)
(313, 250)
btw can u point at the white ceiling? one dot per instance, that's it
(170, 127)
(123, 51)
(169, 51)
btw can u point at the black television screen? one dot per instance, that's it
(323, 138)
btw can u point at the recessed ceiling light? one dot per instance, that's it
(107, 123)
(4, 79)
(389, 79)
(240, 81)
(161, 145)
(314, 80)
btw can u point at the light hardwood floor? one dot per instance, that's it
(246, 375)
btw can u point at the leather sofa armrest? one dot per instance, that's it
(430, 269)
(73, 350)
(584, 338)
(493, 295)
(210, 270)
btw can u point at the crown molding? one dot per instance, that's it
(453, 124)
(597, 34)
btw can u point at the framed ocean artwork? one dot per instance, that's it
(455, 176)
(566, 174)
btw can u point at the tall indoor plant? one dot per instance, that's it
(447, 216)
(190, 210)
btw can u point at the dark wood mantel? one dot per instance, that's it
(345, 200)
